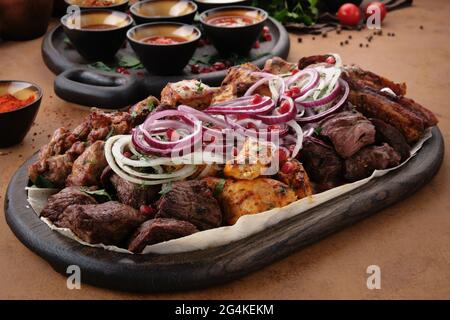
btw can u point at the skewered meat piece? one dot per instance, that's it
(58, 202)
(349, 131)
(368, 159)
(88, 167)
(307, 61)
(108, 223)
(192, 93)
(132, 194)
(428, 118)
(375, 105)
(190, 201)
(142, 109)
(389, 134)
(103, 125)
(321, 162)
(373, 81)
(296, 178)
(242, 197)
(159, 230)
(277, 66)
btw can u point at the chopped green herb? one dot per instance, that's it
(110, 133)
(199, 87)
(167, 187)
(305, 11)
(150, 105)
(42, 182)
(318, 130)
(219, 187)
(130, 62)
(67, 41)
(97, 193)
(134, 114)
(100, 66)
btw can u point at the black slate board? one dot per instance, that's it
(78, 83)
(152, 272)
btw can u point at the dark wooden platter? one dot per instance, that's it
(152, 272)
(77, 82)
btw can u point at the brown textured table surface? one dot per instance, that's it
(409, 241)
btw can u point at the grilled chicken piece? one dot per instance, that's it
(276, 65)
(252, 161)
(237, 81)
(192, 93)
(88, 167)
(142, 109)
(242, 197)
(369, 79)
(296, 178)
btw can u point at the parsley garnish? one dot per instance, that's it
(42, 182)
(98, 193)
(219, 187)
(318, 130)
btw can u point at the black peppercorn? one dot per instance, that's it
(341, 43)
(299, 40)
(346, 41)
(314, 38)
(360, 45)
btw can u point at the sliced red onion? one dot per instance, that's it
(314, 79)
(262, 107)
(277, 117)
(336, 107)
(322, 101)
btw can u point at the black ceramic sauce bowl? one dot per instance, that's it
(234, 39)
(119, 5)
(15, 124)
(164, 59)
(163, 10)
(211, 4)
(93, 41)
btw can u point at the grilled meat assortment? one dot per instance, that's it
(132, 194)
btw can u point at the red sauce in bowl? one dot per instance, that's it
(231, 21)
(163, 40)
(8, 102)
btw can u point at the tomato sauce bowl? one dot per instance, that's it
(19, 104)
(164, 10)
(233, 29)
(164, 48)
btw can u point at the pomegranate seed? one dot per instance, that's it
(122, 70)
(285, 107)
(287, 167)
(235, 152)
(291, 148)
(282, 155)
(273, 127)
(127, 154)
(266, 29)
(295, 91)
(201, 43)
(241, 116)
(219, 66)
(195, 68)
(147, 210)
(330, 60)
(206, 70)
(257, 45)
(257, 99)
(207, 41)
(268, 37)
(250, 125)
(288, 93)
(294, 71)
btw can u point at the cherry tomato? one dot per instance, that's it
(349, 14)
(373, 6)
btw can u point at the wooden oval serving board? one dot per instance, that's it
(152, 272)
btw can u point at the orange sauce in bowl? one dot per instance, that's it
(163, 40)
(8, 102)
(231, 21)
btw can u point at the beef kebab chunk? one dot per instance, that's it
(142, 109)
(190, 201)
(88, 167)
(349, 131)
(368, 159)
(389, 134)
(110, 223)
(58, 202)
(307, 61)
(159, 230)
(322, 163)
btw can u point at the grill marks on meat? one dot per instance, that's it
(142, 109)
(57, 203)
(348, 131)
(368, 159)
(88, 167)
(277, 66)
(323, 164)
(191, 201)
(159, 230)
(189, 92)
(389, 134)
(371, 80)
(110, 223)
(307, 61)
(132, 194)
(428, 118)
(297, 179)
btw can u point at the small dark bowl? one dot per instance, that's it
(97, 44)
(15, 124)
(208, 4)
(164, 10)
(238, 39)
(164, 59)
(119, 6)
